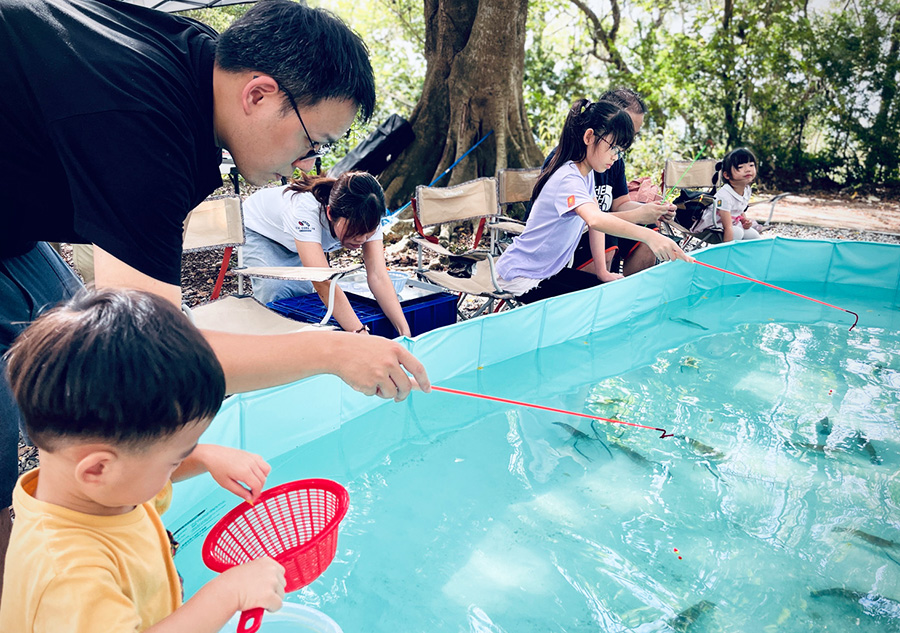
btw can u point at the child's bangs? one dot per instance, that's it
(620, 130)
(741, 156)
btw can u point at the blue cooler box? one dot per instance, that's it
(430, 308)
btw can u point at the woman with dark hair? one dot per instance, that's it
(313, 216)
(534, 267)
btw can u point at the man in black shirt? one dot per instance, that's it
(113, 118)
(611, 191)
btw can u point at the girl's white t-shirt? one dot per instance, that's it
(727, 199)
(283, 216)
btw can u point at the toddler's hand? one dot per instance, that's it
(746, 223)
(231, 467)
(259, 583)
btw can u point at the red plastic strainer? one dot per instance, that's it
(295, 523)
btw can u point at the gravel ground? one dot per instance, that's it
(199, 272)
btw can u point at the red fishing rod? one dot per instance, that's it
(543, 408)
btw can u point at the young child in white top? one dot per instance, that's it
(728, 215)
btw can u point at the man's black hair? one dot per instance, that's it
(311, 52)
(121, 366)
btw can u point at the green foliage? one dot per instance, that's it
(814, 94)
(218, 18)
(556, 69)
(859, 71)
(394, 31)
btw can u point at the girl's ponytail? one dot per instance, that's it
(355, 196)
(319, 186)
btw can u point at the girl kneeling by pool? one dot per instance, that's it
(535, 265)
(313, 216)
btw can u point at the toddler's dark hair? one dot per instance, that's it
(121, 366)
(735, 158)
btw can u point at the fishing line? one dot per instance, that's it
(790, 292)
(543, 408)
(389, 218)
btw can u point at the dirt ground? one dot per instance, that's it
(860, 213)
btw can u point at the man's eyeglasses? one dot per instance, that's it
(316, 149)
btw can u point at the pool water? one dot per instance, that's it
(468, 515)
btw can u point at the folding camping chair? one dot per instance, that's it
(244, 314)
(681, 175)
(472, 200)
(771, 202)
(218, 223)
(213, 224)
(515, 187)
(701, 178)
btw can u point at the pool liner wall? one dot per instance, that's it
(273, 421)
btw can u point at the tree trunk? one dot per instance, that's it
(729, 81)
(881, 161)
(475, 55)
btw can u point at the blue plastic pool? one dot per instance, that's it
(469, 515)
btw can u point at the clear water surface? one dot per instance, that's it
(469, 515)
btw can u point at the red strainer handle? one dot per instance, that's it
(251, 620)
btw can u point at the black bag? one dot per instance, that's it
(461, 266)
(378, 150)
(690, 205)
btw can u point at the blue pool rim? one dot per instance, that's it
(273, 421)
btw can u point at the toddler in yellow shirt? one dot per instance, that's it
(116, 387)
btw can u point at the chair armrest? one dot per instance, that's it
(421, 242)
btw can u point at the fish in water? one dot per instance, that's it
(634, 455)
(871, 539)
(702, 449)
(866, 445)
(823, 427)
(868, 538)
(684, 620)
(688, 322)
(582, 436)
(871, 603)
(642, 461)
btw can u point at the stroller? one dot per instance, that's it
(696, 191)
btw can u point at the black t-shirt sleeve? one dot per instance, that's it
(136, 218)
(617, 179)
